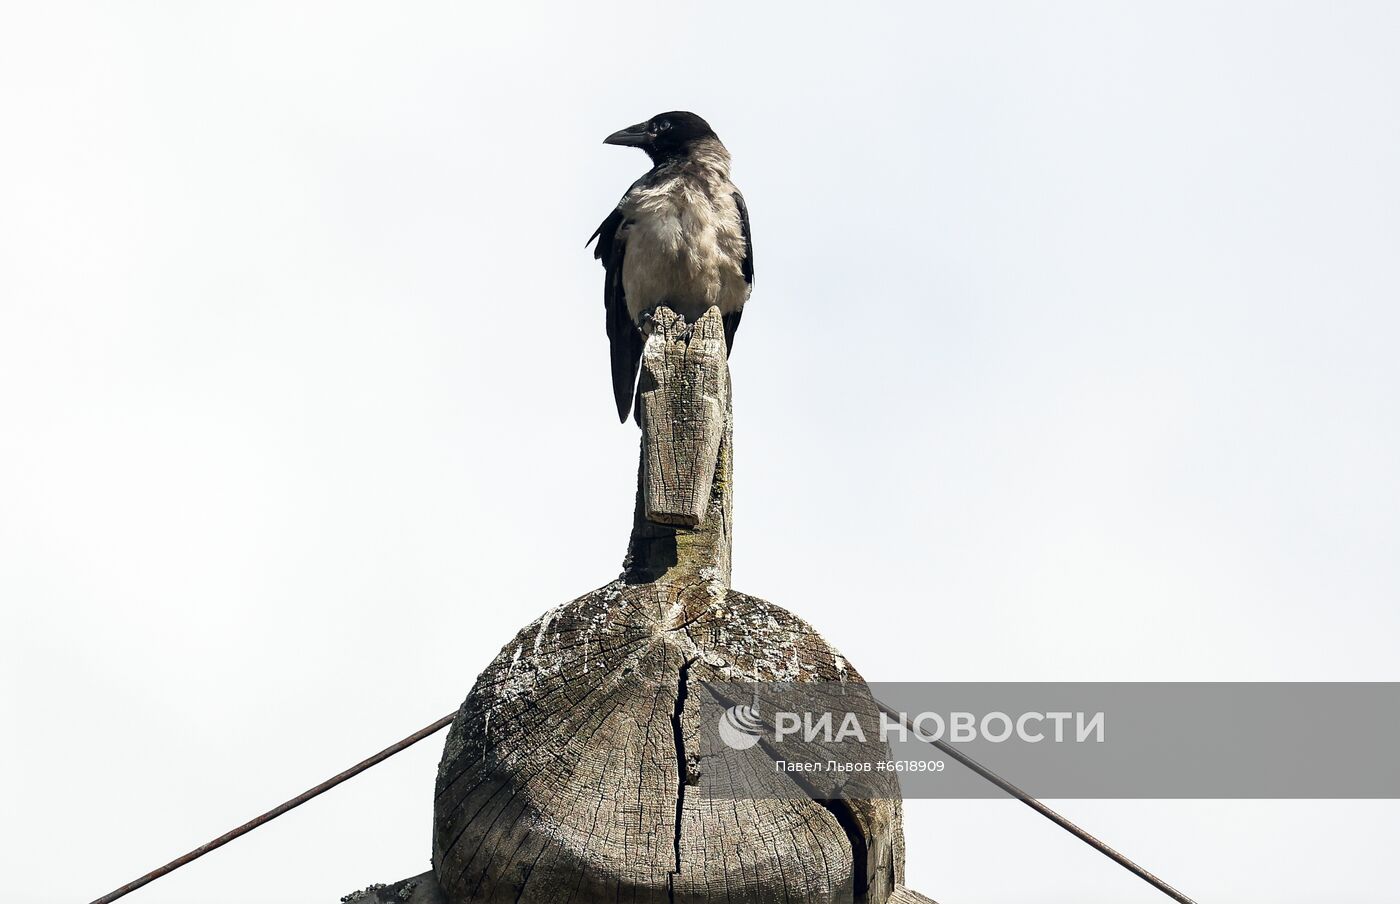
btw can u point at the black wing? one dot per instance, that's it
(731, 321)
(623, 336)
(748, 237)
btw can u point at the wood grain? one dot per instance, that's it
(684, 393)
(574, 772)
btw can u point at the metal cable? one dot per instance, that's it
(1043, 810)
(278, 810)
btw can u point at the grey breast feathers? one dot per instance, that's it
(679, 237)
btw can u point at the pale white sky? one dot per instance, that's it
(1072, 357)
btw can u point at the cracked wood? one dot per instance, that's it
(573, 773)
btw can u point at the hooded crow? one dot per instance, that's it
(679, 237)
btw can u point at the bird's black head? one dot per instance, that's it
(666, 136)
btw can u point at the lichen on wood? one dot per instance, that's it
(566, 771)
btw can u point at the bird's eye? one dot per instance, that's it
(663, 125)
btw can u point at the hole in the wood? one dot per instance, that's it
(846, 818)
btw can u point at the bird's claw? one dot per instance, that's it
(679, 328)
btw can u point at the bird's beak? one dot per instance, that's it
(630, 137)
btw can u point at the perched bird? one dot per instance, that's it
(679, 237)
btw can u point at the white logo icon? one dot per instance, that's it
(739, 727)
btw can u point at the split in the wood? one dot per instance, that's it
(682, 767)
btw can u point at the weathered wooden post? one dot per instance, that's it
(684, 391)
(570, 774)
